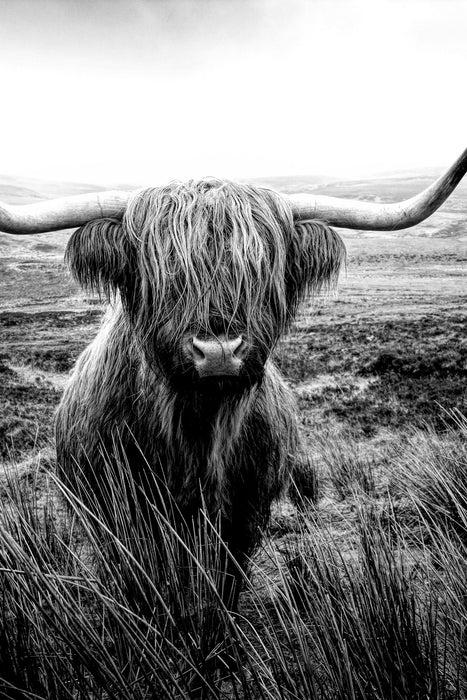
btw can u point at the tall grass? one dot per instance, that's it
(95, 614)
(368, 625)
(351, 470)
(111, 612)
(433, 471)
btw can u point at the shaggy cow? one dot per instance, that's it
(203, 278)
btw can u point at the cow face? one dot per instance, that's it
(209, 273)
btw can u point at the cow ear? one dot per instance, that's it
(99, 255)
(314, 258)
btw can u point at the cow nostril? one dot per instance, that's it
(198, 354)
(240, 350)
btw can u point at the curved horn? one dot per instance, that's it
(354, 214)
(66, 212)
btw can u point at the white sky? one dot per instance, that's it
(142, 91)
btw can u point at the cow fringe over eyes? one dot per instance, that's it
(212, 259)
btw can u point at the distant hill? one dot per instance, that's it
(23, 190)
(388, 189)
(290, 184)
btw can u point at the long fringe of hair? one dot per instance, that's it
(212, 258)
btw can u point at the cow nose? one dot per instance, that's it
(218, 356)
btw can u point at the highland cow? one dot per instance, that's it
(203, 279)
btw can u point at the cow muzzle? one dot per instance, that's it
(217, 356)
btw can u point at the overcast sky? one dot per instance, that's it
(143, 91)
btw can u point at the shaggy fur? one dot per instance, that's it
(203, 258)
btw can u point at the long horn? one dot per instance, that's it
(66, 212)
(353, 214)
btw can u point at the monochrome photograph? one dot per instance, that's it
(233, 350)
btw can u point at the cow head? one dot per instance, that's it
(209, 273)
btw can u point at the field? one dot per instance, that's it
(378, 523)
